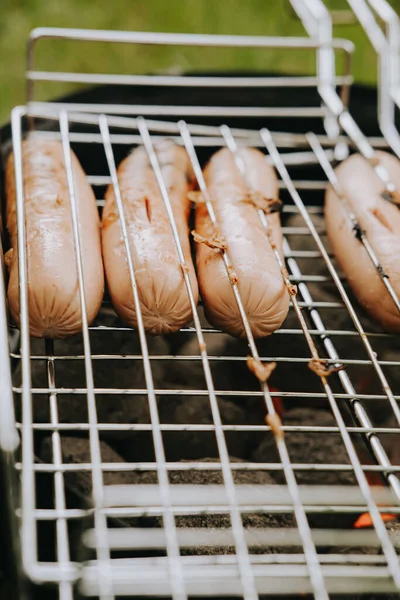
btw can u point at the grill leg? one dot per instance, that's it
(11, 582)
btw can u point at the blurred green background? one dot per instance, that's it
(257, 17)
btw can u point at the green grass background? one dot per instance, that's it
(255, 17)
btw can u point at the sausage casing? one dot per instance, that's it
(380, 220)
(260, 283)
(53, 289)
(163, 295)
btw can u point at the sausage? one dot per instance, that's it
(260, 282)
(53, 289)
(163, 296)
(380, 220)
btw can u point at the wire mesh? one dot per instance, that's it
(147, 462)
(129, 420)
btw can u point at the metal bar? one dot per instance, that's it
(128, 512)
(28, 525)
(318, 23)
(149, 562)
(177, 581)
(349, 580)
(184, 110)
(152, 538)
(199, 466)
(102, 550)
(180, 39)
(249, 136)
(182, 80)
(197, 358)
(195, 392)
(199, 427)
(10, 551)
(386, 105)
(290, 158)
(272, 579)
(262, 495)
(314, 569)
(246, 575)
(62, 540)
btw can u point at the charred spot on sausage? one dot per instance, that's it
(358, 232)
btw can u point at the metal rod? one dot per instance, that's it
(181, 80)
(103, 551)
(197, 358)
(184, 111)
(304, 529)
(261, 495)
(181, 39)
(146, 538)
(28, 525)
(62, 540)
(177, 582)
(135, 391)
(199, 466)
(45, 110)
(272, 579)
(121, 427)
(246, 575)
(386, 105)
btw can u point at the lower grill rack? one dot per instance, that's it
(209, 564)
(166, 478)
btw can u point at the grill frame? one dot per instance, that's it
(65, 575)
(59, 391)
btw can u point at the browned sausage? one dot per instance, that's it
(362, 189)
(162, 291)
(53, 291)
(260, 282)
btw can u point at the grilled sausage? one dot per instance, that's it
(380, 220)
(53, 292)
(260, 282)
(162, 291)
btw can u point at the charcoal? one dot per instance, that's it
(309, 447)
(197, 410)
(113, 373)
(220, 521)
(108, 374)
(391, 526)
(306, 448)
(77, 451)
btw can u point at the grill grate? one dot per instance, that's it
(244, 573)
(106, 415)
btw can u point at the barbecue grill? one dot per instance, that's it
(135, 466)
